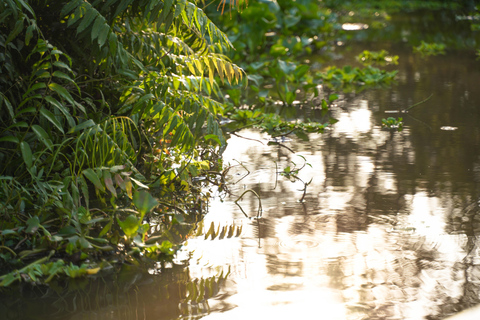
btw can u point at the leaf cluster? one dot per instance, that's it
(109, 108)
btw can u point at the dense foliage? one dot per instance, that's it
(103, 102)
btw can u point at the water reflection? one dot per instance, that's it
(389, 226)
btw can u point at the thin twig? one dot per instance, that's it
(248, 172)
(246, 137)
(276, 175)
(416, 104)
(281, 145)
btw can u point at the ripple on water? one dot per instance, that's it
(298, 243)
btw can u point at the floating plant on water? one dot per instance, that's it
(392, 123)
(379, 57)
(365, 76)
(291, 173)
(429, 49)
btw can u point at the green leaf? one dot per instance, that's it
(129, 226)
(54, 102)
(9, 139)
(67, 230)
(51, 117)
(97, 27)
(8, 104)
(332, 97)
(16, 30)
(32, 225)
(62, 75)
(21, 124)
(92, 176)
(26, 110)
(62, 92)
(140, 102)
(324, 105)
(9, 279)
(144, 202)
(84, 189)
(105, 229)
(83, 215)
(62, 65)
(179, 7)
(87, 19)
(213, 137)
(167, 5)
(29, 34)
(35, 87)
(81, 126)
(26, 6)
(42, 136)
(70, 6)
(103, 34)
(26, 154)
(8, 232)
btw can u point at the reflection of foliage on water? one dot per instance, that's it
(222, 232)
(125, 296)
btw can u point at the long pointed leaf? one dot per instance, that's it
(42, 136)
(62, 109)
(107, 178)
(26, 154)
(87, 19)
(92, 176)
(51, 117)
(62, 92)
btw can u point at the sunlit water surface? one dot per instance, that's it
(388, 228)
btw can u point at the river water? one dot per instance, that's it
(388, 227)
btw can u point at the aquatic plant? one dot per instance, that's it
(392, 123)
(270, 37)
(369, 7)
(291, 173)
(429, 49)
(376, 57)
(347, 75)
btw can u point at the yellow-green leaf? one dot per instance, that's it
(129, 226)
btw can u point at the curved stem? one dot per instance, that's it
(8, 249)
(259, 213)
